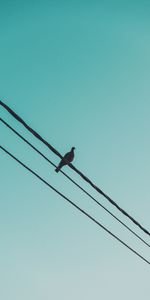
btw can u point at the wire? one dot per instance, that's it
(74, 182)
(75, 205)
(71, 166)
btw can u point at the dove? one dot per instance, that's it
(68, 158)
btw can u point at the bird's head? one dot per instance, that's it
(73, 148)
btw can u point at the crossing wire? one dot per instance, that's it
(18, 118)
(74, 182)
(75, 205)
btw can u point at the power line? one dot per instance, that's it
(75, 205)
(74, 182)
(18, 118)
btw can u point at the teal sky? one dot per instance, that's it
(78, 73)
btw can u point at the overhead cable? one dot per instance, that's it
(73, 181)
(18, 118)
(75, 205)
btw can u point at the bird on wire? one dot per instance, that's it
(68, 158)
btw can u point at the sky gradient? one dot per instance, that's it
(78, 73)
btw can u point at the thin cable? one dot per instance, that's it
(75, 205)
(18, 118)
(74, 182)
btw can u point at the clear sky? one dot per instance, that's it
(78, 73)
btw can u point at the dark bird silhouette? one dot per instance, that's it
(68, 158)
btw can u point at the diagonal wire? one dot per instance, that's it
(18, 118)
(75, 205)
(74, 182)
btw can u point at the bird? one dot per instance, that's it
(68, 158)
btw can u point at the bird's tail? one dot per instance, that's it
(57, 169)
